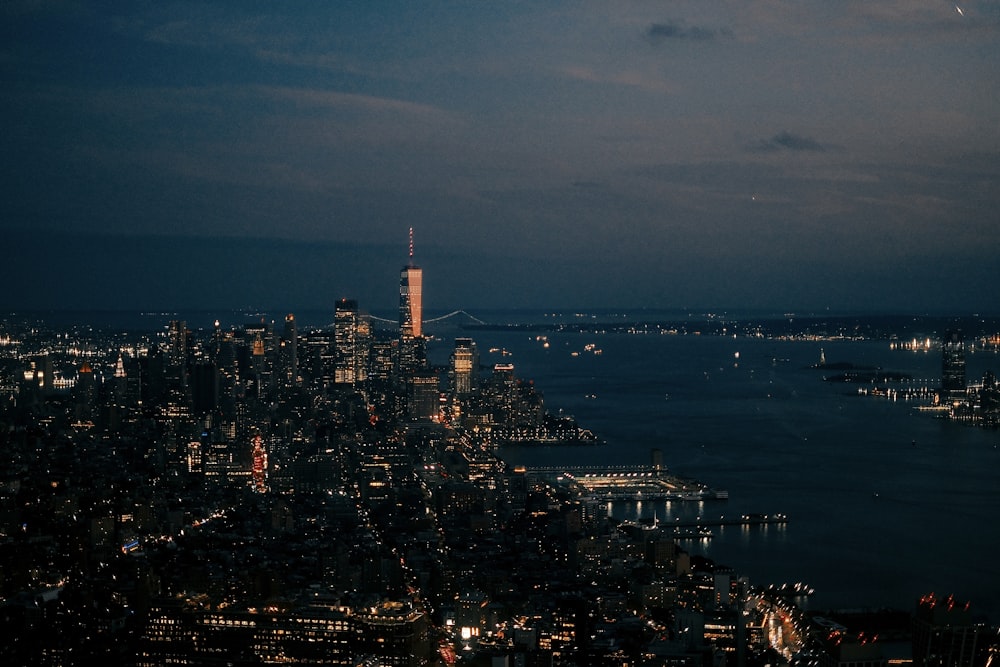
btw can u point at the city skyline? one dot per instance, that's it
(766, 155)
(243, 492)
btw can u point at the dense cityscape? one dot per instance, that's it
(695, 364)
(268, 495)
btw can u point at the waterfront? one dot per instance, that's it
(884, 503)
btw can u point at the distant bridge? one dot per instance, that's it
(453, 313)
(602, 470)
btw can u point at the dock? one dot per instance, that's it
(701, 527)
(635, 483)
(743, 520)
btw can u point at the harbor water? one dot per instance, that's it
(885, 502)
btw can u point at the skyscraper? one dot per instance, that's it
(411, 279)
(953, 364)
(424, 400)
(464, 366)
(177, 351)
(352, 339)
(290, 351)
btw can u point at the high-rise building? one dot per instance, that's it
(260, 370)
(953, 364)
(411, 279)
(352, 339)
(424, 399)
(177, 351)
(205, 386)
(290, 351)
(464, 366)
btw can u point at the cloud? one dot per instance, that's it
(660, 32)
(650, 82)
(787, 141)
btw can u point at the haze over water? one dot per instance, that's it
(884, 503)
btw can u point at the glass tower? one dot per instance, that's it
(411, 279)
(953, 363)
(352, 341)
(410, 305)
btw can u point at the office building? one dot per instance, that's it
(352, 339)
(177, 335)
(464, 367)
(411, 279)
(425, 398)
(953, 365)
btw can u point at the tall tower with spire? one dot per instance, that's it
(411, 279)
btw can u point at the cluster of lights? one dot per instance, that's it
(914, 345)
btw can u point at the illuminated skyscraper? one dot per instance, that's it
(352, 339)
(411, 279)
(464, 366)
(953, 364)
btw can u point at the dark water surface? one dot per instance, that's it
(885, 503)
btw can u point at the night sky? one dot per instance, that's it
(805, 154)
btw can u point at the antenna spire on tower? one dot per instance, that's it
(411, 245)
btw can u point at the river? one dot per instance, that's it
(885, 503)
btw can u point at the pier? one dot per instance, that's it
(743, 520)
(627, 483)
(701, 527)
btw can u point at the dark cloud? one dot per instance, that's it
(659, 32)
(788, 141)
